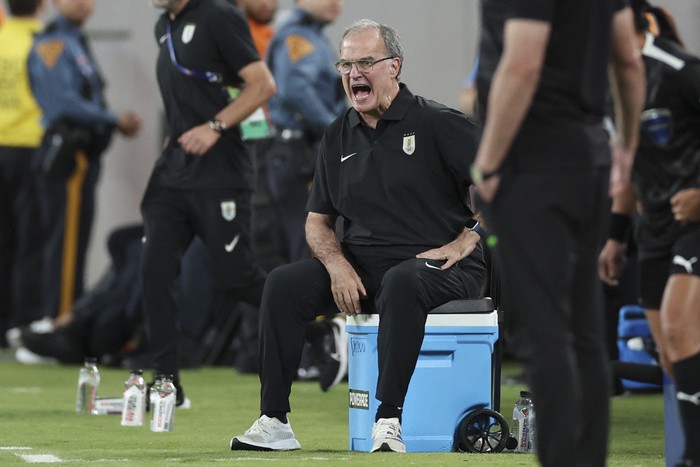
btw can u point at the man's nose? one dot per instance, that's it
(355, 71)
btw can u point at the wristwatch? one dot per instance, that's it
(473, 225)
(217, 125)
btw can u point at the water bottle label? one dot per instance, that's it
(163, 413)
(134, 407)
(87, 394)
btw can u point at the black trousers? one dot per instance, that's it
(289, 173)
(20, 239)
(172, 217)
(67, 214)
(547, 225)
(401, 291)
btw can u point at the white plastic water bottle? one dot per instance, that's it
(523, 428)
(163, 401)
(88, 383)
(134, 406)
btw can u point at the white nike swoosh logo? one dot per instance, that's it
(344, 158)
(433, 267)
(230, 246)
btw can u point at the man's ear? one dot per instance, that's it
(395, 66)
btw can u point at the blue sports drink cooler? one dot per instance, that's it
(453, 378)
(633, 325)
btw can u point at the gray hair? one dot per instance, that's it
(392, 41)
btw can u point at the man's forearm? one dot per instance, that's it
(323, 242)
(258, 88)
(627, 80)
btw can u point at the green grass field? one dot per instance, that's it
(37, 418)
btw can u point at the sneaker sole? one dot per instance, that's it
(385, 447)
(287, 445)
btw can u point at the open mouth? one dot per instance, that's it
(361, 91)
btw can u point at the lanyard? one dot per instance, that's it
(209, 76)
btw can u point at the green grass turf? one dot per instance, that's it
(37, 412)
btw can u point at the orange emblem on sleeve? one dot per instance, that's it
(49, 51)
(298, 47)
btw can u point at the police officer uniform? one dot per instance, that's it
(401, 189)
(206, 195)
(667, 161)
(546, 214)
(309, 97)
(20, 135)
(69, 88)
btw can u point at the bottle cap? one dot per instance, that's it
(137, 372)
(525, 394)
(92, 360)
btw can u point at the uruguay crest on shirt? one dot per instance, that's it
(409, 143)
(188, 33)
(228, 210)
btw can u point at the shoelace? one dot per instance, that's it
(257, 427)
(388, 429)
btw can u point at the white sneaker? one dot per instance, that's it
(386, 436)
(26, 356)
(266, 434)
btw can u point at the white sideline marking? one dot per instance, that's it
(25, 390)
(277, 459)
(40, 458)
(15, 448)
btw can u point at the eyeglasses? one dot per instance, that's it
(364, 65)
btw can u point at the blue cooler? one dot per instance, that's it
(632, 331)
(453, 377)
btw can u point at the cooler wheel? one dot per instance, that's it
(483, 430)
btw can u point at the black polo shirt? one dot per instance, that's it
(570, 100)
(402, 186)
(207, 36)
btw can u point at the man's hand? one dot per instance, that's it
(685, 205)
(198, 140)
(128, 123)
(346, 286)
(488, 188)
(611, 262)
(454, 251)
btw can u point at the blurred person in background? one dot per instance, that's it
(69, 88)
(666, 181)
(202, 183)
(309, 97)
(20, 136)
(260, 14)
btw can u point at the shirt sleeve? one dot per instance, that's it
(319, 198)
(298, 61)
(542, 10)
(56, 81)
(457, 138)
(233, 38)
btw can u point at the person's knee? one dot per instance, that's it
(283, 290)
(402, 280)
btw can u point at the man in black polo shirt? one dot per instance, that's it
(542, 165)
(393, 167)
(201, 184)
